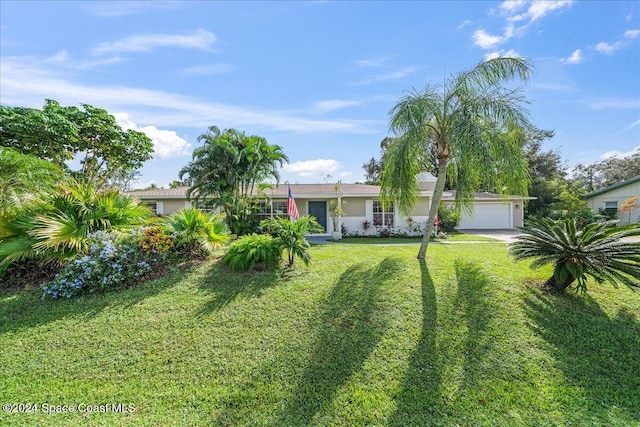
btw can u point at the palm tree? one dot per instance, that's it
(196, 231)
(290, 235)
(596, 250)
(473, 127)
(228, 168)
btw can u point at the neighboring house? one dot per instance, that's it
(360, 203)
(612, 197)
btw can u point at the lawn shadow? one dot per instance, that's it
(419, 399)
(349, 327)
(226, 286)
(24, 308)
(478, 312)
(599, 355)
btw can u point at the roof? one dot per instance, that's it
(612, 187)
(305, 191)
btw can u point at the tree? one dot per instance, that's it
(23, 178)
(597, 250)
(608, 172)
(473, 125)
(228, 168)
(108, 155)
(629, 205)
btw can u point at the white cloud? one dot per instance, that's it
(620, 154)
(604, 47)
(631, 126)
(512, 10)
(631, 34)
(334, 104)
(501, 54)
(199, 39)
(26, 81)
(312, 168)
(614, 103)
(208, 69)
(394, 75)
(575, 58)
(166, 143)
(485, 40)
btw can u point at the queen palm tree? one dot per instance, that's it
(473, 126)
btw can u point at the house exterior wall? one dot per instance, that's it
(618, 195)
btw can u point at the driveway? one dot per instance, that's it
(507, 236)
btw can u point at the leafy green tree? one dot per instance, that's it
(473, 125)
(596, 250)
(58, 227)
(227, 168)
(107, 153)
(23, 178)
(290, 235)
(607, 172)
(196, 232)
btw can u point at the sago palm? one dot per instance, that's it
(471, 126)
(596, 250)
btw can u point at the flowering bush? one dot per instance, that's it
(113, 261)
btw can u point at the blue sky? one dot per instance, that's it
(319, 78)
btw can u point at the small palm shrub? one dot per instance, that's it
(596, 250)
(57, 228)
(114, 261)
(253, 250)
(195, 232)
(290, 234)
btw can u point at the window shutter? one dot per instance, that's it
(368, 210)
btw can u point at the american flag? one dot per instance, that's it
(292, 209)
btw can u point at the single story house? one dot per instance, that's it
(361, 203)
(614, 196)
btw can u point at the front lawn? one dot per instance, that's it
(366, 336)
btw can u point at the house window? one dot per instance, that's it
(153, 206)
(205, 206)
(382, 217)
(274, 208)
(611, 205)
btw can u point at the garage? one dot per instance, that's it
(488, 216)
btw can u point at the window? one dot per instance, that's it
(381, 216)
(205, 206)
(153, 206)
(611, 205)
(274, 208)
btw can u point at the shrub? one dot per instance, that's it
(595, 250)
(113, 261)
(155, 241)
(449, 219)
(253, 250)
(290, 235)
(196, 233)
(57, 228)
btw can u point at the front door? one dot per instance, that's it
(319, 211)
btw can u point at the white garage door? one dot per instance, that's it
(487, 216)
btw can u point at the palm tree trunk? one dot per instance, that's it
(559, 286)
(435, 203)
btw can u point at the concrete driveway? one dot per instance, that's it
(507, 236)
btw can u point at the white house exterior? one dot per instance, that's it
(360, 203)
(614, 196)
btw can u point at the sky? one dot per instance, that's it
(319, 78)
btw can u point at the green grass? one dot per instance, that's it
(366, 336)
